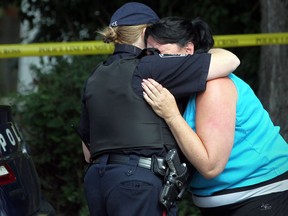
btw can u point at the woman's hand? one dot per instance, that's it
(160, 99)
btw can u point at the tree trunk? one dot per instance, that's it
(9, 33)
(273, 74)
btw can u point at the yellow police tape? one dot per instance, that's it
(98, 47)
(251, 40)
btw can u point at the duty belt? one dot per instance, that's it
(124, 159)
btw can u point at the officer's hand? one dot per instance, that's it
(160, 99)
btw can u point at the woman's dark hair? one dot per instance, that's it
(180, 31)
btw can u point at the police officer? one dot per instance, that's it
(127, 140)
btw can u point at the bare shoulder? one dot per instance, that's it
(220, 84)
(219, 88)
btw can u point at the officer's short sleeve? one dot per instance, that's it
(182, 75)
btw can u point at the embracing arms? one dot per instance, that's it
(223, 62)
(209, 149)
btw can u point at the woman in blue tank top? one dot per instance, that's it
(120, 179)
(240, 157)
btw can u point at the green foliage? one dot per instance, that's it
(186, 207)
(71, 20)
(68, 20)
(45, 116)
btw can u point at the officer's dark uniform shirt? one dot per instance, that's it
(182, 75)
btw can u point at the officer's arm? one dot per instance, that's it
(223, 62)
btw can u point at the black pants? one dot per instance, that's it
(123, 190)
(275, 204)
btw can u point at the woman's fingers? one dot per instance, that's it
(147, 93)
(153, 86)
(152, 93)
(160, 99)
(147, 98)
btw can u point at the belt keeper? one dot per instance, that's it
(158, 166)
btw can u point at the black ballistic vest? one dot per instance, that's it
(119, 119)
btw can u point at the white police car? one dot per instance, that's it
(20, 193)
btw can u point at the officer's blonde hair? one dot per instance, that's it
(122, 34)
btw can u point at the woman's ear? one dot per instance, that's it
(143, 31)
(189, 48)
(143, 37)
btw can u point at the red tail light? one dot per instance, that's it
(6, 175)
